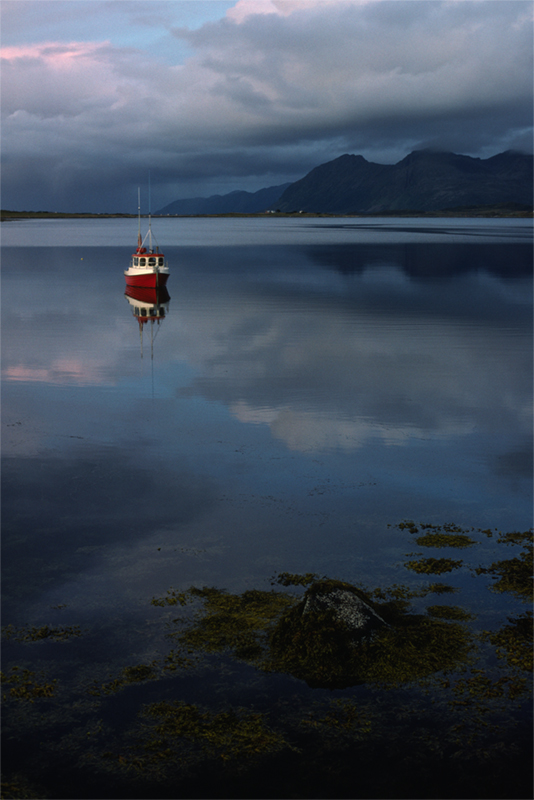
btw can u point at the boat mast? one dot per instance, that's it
(139, 239)
(149, 217)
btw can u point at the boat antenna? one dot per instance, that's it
(139, 239)
(149, 216)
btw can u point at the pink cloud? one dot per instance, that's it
(247, 8)
(56, 54)
(63, 371)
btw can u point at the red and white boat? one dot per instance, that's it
(148, 267)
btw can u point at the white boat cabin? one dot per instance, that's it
(150, 260)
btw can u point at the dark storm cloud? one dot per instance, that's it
(272, 90)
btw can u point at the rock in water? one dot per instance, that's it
(347, 606)
(325, 639)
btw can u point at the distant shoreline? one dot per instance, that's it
(483, 211)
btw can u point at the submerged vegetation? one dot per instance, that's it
(134, 674)
(513, 575)
(445, 540)
(238, 690)
(35, 634)
(270, 631)
(433, 566)
(24, 684)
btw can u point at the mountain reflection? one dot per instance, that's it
(429, 260)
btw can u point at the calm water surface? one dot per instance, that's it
(311, 384)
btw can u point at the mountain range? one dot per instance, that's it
(234, 202)
(425, 180)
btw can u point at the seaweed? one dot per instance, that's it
(513, 642)
(26, 685)
(449, 612)
(291, 579)
(134, 674)
(172, 598)
(513, 575)
(433, 566)
(18, 788)
(230, 734)
(235, 622)
(35, 634)
(459, 540)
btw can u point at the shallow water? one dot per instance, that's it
(312, 384)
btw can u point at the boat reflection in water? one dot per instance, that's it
(149, 305)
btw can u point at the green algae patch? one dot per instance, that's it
(513, 642)
(513, 575)
(179, 735)
(459, 540)
(26, 685)
(481, 689)
(448, 527)
(400, 592)
(292, 579)
(449, 612)
(433, 566)
(172, 598)
(442, 588)
(175, 660)
(408, 525)
(18, 788)
(38, 634)
(134, 674)
(235, 622)
(233, 734)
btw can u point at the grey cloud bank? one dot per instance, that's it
(263, 98)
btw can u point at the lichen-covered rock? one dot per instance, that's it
(319, 639)
(348, 607)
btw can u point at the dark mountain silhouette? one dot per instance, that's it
(234, 202)
(423, 181)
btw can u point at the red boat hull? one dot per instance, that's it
(148, 294)
(152, 280)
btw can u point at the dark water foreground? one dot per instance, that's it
(247, 696)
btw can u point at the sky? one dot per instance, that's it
(210, 96)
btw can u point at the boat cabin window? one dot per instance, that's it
(142, 262)
(135, 262)
(151, 262)
(160, 261)
(143, 312)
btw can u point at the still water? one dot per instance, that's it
(310, 384)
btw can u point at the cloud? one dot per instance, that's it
(247, 8)
(294, 353)
(272, 89)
